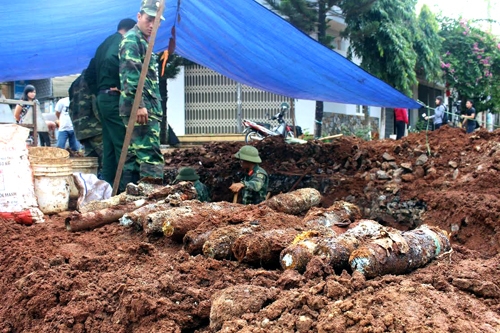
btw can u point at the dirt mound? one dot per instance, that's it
(115, 279)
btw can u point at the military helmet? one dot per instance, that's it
(248, 153)
(150, 7)
(187, 174)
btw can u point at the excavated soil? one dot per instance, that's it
(117, 279)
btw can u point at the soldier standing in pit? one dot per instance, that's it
(255, 182)
(103, 79)
(144, 158)
(86, 122)
(189, 174)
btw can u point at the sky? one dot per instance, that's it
(466, 9)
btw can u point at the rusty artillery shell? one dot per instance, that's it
(220, 241)
(264, 247)
(295, 202)
(337, 250)
(194, 239)
(98, 218)
(186, 191)
(341, 213)
(400, 252)
(138, 216)
(120, 199)
(298, 254)
(170, 222)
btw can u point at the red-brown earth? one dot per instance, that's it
(116, 279)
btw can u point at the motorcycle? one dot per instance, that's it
(257, 131)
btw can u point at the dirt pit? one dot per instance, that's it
(116, 279)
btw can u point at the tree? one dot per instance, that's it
(471, 62)
(312, 16)
(383, 37)
(427, 44)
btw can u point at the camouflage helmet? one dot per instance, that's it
(150, 7)
(187, 174)
(248, 153)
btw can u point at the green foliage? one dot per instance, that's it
(383, 37)
(173, 67)
(421, 125)
(470, 61)
(301, 14)
(427, 44)
(360, 132)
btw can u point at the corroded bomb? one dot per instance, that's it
(295, 202)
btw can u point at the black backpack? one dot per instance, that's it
(445, 116)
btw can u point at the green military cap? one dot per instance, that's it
(150, 7)
(248, 153)
(187, 174)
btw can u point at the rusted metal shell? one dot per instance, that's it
(263, 248)
(90, 220)
(185, 191)
(338, 249)
(298, 254)
(194, 239)
(138, 216)
(295, 202)
(120, 199)
(341, 213)
(400, 252)
(220, 241)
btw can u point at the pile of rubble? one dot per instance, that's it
(366, 252)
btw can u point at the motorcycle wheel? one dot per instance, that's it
(253, 136)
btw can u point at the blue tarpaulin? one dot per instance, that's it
(239, 39)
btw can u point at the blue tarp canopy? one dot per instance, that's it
(239, 39)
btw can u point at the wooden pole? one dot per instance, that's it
(137, 99)
(35, 126)
(330, 137)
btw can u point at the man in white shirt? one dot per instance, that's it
(66, 132)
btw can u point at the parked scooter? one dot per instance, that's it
(257, 131)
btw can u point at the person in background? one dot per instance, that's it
(254, 184)
(439, 113)
(66, 132)
(469, 121)
(24, 115)
(401, 116)
(144, 157)
(85, 118)
(103, 79)
(189, 174)
(24, 112)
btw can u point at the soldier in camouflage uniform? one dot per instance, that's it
(189, 174)
(144, 158)
(86, 122)
(254, 184)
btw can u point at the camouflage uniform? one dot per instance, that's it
(86, 121)
(144, 158)
(256, 182)
(201, 191)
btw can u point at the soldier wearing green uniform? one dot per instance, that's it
(85, 118)
(189, 174)
(144, 158)
(254, 184)
(103, 79)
